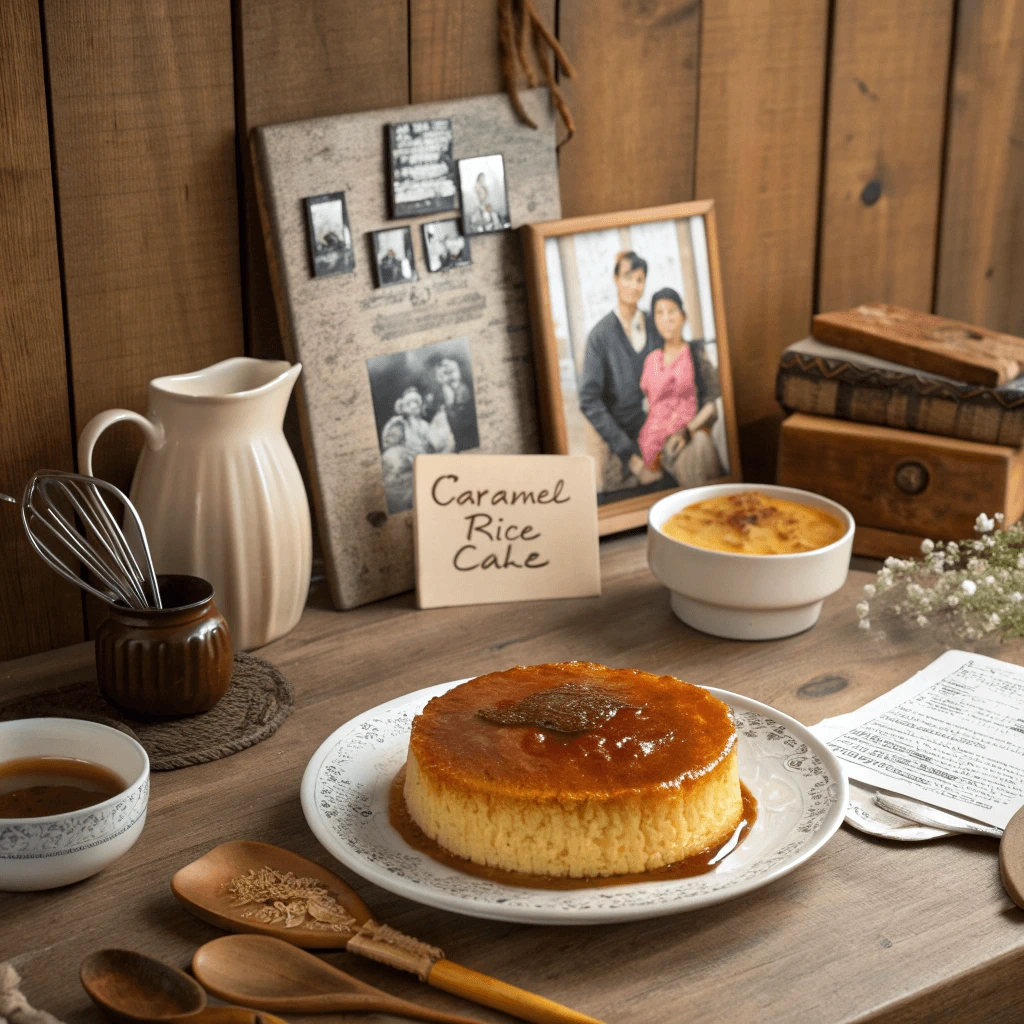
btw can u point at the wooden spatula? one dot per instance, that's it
(1011, 858)
(201, 888)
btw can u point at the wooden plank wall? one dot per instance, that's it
(856, 149)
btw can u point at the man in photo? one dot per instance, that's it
(609, 385)
(393, 251)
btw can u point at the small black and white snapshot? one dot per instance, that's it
(484, 196)
(445, 246)
(330, 238)
(423, 403)
(422, 168)
(392, 254)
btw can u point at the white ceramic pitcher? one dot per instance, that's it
(219, 491)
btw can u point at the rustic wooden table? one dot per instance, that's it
(866, 931)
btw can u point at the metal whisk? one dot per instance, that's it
(100, 545)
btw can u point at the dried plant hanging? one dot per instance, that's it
(963, 590)
(519, 25)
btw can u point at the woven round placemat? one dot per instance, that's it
(258, 700)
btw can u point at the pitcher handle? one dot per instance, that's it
(154, 433)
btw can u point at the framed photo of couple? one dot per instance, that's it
(632, 357)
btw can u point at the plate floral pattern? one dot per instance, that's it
(799, 785)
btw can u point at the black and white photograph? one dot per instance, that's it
(393, 257)
(636, 330)
(484, 195)
(445, 246)
(330, 238)
(423, 403)
(422, 168)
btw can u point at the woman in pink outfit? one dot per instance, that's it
(681, 385)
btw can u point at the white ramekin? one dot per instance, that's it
(43, 853)
(747, 597)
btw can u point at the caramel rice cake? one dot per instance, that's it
(574, 770)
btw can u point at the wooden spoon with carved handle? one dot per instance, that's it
(201, 888)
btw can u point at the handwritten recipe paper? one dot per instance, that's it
(495, 528)
(951, 736)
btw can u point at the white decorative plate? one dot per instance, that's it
(800, 787)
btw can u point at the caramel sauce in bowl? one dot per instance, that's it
(73, 798)
(765, 592)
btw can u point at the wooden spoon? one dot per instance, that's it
(273, 975)
(200, 887)
(129, 987)
(1011, 858)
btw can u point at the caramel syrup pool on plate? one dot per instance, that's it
(33, 787)
(751, 523)
(699, 864)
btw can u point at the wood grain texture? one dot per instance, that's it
(888, 75)
(143, 130)
(869, 542)
(939, 923)
(453, 48)
(982, 239)
(917, 484)
(762, 81)
(299, 59)
(37, 609)
(634, 102)
(964, 352)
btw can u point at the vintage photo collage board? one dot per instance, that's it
(399, 286)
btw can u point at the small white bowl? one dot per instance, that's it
(44, 853)
(747, 597)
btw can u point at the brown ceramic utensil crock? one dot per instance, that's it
(170, 661)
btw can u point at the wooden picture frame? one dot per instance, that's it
(564, 260)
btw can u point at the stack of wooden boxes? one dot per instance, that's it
(913, 422)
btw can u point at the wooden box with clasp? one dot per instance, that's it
(901, 486)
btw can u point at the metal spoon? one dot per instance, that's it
(933, 817)
(274, 975)
(129, 987)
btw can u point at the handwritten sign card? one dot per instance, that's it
(493, 528)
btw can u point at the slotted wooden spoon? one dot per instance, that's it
(200, 887)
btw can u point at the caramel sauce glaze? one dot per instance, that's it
(666, 733)
(751, 523)
(34, 787)
(698, 864)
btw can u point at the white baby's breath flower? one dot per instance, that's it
(978, 545)
(922, 621)
(914, 590)
(863, 608)
(927, 546)
(952, 600)
(974, 564)
(892, 562)
(994, 618)
(1020, 561)
(897, 609)
(998, 517)
(990, 580)
(1016, 597)
(952, 548)
(969, 587)
(870, 589)
(864, 624)
(984, 524)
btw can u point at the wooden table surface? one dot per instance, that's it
(867, 930)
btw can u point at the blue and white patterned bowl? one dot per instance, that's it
(44, 853)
